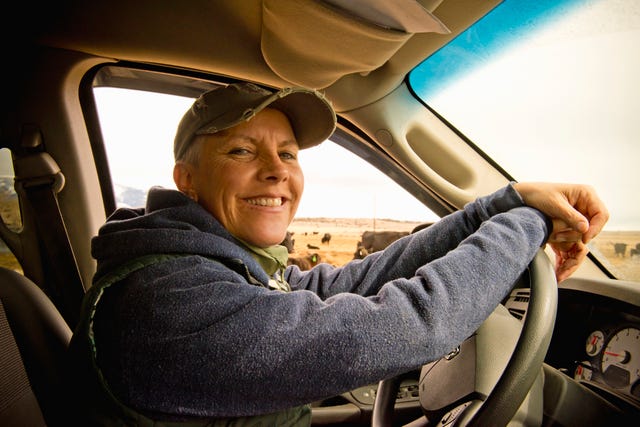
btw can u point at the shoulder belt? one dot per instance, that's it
(94, 294)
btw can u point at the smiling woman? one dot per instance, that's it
(411, 257)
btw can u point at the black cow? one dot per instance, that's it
(306, 262)
(620, 249)
(635, 251)
(374, 241)
(288, 241)
(360, 252)
(326, 238)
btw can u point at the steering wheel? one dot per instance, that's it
(477, 384)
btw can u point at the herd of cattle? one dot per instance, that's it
(620, 250)
(373, 241)
(304, 262)
(370, 241)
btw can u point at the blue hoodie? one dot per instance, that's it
(190, 336)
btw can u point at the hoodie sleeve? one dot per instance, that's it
(403, 257)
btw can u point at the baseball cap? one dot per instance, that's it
(311, 115)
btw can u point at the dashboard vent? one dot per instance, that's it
(518, 302)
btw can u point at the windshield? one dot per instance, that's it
(549, 91)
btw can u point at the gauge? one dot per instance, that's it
(595, 341)
(583, 371)
(621, 358)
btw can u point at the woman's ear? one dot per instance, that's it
(184, 180)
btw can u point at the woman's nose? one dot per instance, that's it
(273, 168)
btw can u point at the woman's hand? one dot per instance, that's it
(577, 213)
(569, 248)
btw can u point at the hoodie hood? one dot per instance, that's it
(171, 223)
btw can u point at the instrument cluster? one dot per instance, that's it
(613, 359)
(596, 340)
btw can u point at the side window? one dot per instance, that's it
(349, 208)
(9, 209)
(344, 196)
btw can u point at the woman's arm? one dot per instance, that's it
(365, 277)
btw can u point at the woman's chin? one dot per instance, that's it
(265, 241)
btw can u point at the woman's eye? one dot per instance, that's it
(239, 151)
(288, 156)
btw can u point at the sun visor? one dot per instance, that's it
(314, 43)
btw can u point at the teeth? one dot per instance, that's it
(263, 201)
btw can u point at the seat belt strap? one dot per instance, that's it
(39, 179)
(59, 262)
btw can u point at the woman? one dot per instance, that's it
(207, 325)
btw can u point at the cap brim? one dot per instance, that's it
(310, 114)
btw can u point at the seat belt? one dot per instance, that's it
(39, 179)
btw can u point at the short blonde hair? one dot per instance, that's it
(191, 154)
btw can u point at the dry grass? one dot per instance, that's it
(623, 267)
(345, 233)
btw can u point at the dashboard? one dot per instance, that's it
(596, 341)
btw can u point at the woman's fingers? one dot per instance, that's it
(569, 256)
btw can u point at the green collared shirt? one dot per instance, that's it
(273, 261)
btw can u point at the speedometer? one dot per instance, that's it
(621, 358)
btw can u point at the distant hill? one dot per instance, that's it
(130, 197)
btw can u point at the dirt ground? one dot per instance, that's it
(626, 266)
(345, 234)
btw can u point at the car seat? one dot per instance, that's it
(33, 342)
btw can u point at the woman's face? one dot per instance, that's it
(249, 178)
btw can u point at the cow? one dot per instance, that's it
(306, 262)
(374, 241)
(635, 251)
(326, 238)
(289, 242)
(620, 249)
(310, 246)
(360, 252)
